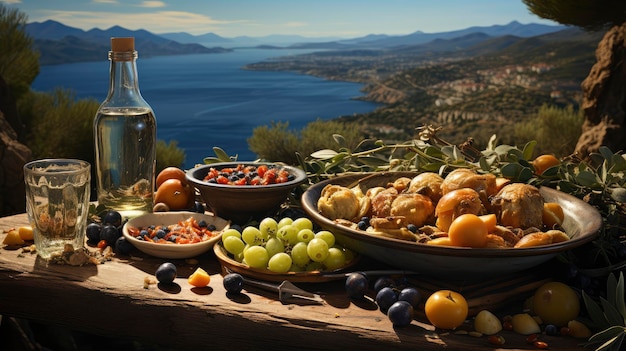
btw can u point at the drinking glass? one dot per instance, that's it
(57, 203)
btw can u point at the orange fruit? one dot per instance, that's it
(490, 221)
(552, 214)
(199, 278)
(174, 193)
(468, 230)
(170, 173)
(543, 162)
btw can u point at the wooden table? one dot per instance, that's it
(110, 300)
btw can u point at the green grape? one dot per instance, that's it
(296, 268)
(239, 257)
(314, 266)
(234, 245)
(303, 223)
(317, 249)
(335, 260)
(349, 254)
(280, 263)
(299, 254)
(274, 246)
(251, 235)
(288, 234)
(256, 257)
(305, 235)
(284, 221)
(268, 227)
(328, 237)
(230, 232)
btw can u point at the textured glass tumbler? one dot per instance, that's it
(57, 203)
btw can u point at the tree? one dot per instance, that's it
(19, 63)
(604, 89)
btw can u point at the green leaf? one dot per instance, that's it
(529, 148)
(620, 303)
(606, 152)
(526, 174)
(595, 313)
(611, 313)
(373, 161)
(586, 178)
(511, 170)
(324, 154)
(619, 163)
(340, 140)
(221, 154)
(611, 337)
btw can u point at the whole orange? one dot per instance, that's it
(543, 162)
(170, 173)
(174, 193)
(468, 230)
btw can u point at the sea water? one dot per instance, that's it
(208, 100)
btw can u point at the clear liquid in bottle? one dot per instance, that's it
(125, 138)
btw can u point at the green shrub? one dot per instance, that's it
(168, 155)
(60, 126)
(555, 129)
(278, 143)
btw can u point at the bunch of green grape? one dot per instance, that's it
(287, 245)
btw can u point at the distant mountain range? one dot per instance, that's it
(59, 43)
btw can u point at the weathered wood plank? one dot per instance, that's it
(110, 299)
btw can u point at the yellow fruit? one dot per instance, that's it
(543, 162)
(556, 303)
(552, 214)
(199, 278)
(578, 330)
(26, 233)
(468, 230)
(524, 324)
(13, 238)
(487, 323)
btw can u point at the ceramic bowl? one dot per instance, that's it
(582, 223)
(173, 251)
(241, 203)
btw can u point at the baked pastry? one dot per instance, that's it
(338, 202)
(519, 205)
(427, 183)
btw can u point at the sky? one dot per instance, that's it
(257, 18)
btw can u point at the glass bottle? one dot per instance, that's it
(125, 138)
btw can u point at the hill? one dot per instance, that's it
(58, 43)
(474, 84)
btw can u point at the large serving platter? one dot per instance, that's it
(582, 224)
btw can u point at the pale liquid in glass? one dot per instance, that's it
(58, 214)
(125, 155)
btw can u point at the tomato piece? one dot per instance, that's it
(261, 170)
(102, 244)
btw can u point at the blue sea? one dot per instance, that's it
(208, 100)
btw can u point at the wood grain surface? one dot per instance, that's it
(110, 299)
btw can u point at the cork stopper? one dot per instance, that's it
(122, 44)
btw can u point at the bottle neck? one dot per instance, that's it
(123, 82)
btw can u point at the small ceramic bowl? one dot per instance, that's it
(173, 250)
(582, 224)
(241, 203)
